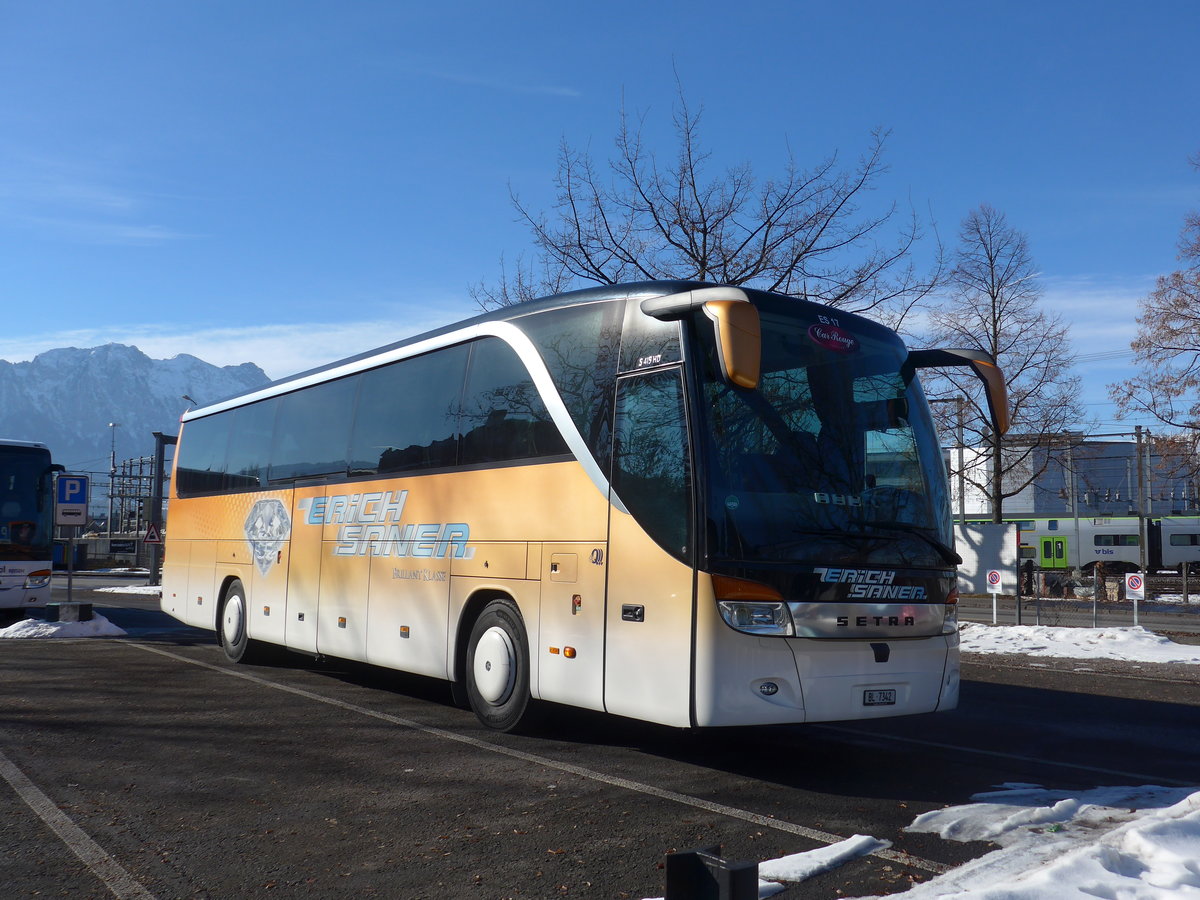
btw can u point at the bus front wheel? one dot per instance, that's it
(498, 667)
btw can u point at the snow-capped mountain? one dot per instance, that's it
(66, 399)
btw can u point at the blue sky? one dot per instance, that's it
(291, 182)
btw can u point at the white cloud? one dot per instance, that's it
(279, 349)
(1102, 311)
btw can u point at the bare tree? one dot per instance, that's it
(994, 305)
(804, 233)
(1167, 350)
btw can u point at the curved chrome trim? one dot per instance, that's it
(505, 331)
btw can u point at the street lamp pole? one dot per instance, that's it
(112, 478)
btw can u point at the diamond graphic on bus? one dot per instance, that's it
(267, 527)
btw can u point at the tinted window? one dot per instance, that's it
(26, 508)
(250, 445)
(1185, 540)
(651, 465)
(579, 345)
(203, 446)
(407, 414)
(503, 416)
(312, 431)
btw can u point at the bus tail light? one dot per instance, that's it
(38, 579)
(752, 607)
(950, 619)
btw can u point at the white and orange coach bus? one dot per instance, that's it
(689, 504)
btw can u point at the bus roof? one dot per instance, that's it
(36, 445)
(640, 289)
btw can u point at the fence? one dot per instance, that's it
(1167, 607)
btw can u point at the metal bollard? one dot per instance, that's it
(702, 874)
(74, 611)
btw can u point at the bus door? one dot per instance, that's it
(304, 572)
(650, 602)
(267, 528)
(1054, 553)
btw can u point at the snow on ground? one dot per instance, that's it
(1140, 843)
(1123, 843)
(1120, 843)
(1125, 644)
(1193, 598)
(37, 628)
(144, 590)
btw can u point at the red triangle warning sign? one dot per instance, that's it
(152, 535)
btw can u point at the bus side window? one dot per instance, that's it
(407, 416)
(250, 445)
(203, 451)
(580, 345)
(503, 415)
(311, 430)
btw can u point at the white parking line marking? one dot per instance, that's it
(813, 834)
(119, 882)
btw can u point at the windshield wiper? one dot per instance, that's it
(945, 551)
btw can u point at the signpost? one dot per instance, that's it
(993, 580)
(1135, 590)
(71, 494)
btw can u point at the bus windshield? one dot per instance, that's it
(25, 503)
(832, 459)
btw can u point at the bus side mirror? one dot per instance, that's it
(739, 340)
(735, 323)
(985, 369)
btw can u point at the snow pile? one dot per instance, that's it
(775, 875)
(37, 628)
(1139, 842)
(141, 590)
(800, 866)
(1124, 644)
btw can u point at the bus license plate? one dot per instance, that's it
(879, 698)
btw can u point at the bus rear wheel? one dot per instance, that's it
(498, 667)
(231, 626)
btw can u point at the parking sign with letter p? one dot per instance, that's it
(71, 500)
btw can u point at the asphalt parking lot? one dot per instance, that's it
(147, 766)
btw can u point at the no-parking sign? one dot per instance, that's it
(1135, 587)
(993, 579)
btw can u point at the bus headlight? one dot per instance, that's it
(38, 579)
(752, 607)
(757, 618)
